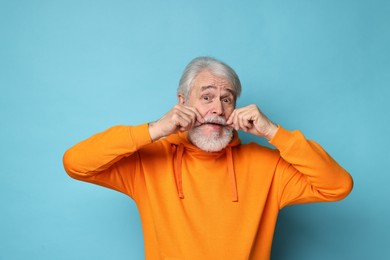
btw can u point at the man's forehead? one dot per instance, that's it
(206, 80)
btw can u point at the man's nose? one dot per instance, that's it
(217, 108)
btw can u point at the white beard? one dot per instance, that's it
(216, 141)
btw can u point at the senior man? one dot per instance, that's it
(201, 194)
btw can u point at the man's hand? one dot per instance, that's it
(179, 118)
(250, 119)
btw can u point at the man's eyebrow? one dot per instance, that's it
(231, 91)
(204, 88)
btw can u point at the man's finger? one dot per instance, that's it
(199, 117)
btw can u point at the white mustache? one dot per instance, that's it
(215, 120)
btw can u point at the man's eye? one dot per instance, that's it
(207, 98)
(226, 100)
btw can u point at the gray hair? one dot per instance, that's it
(216, 67)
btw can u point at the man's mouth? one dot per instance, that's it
(215, 122)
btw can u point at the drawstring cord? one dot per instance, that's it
(232, 174)
(230, 165)
(178, 174)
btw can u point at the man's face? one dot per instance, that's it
(213, 97)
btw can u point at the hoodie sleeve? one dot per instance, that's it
(106, 157)
(306, 173)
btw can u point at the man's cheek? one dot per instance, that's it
(228, 113)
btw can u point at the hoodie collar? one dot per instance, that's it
(181, 144)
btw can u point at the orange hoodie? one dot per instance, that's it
(201, 205)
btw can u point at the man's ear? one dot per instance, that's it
(180, 99)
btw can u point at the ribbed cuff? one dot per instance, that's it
(140, 135)
(283, 139)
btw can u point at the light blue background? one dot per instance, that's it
(69, 69)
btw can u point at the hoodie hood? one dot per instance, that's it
(181, 144)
